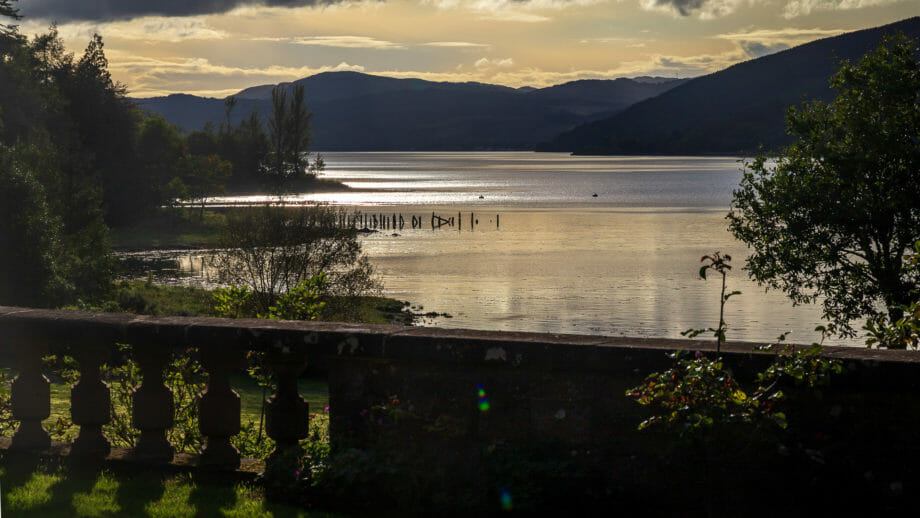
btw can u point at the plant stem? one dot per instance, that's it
(721, 335)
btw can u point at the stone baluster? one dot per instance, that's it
(287, 417)
(219, 407)
(90, 402)
(153, 404)
(30, 396)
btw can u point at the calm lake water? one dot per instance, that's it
(559, 259)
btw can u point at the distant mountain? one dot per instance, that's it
(354, 111)
(731, 112)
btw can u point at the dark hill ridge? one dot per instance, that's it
(329, 86)
(730, 112)
(355, 111)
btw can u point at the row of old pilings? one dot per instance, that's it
(376, 221)
(438, 221)
(396, 221)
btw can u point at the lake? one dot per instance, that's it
(564, 244)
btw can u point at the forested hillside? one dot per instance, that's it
(354, 111)
(731, 112)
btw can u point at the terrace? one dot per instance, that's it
(562, 388)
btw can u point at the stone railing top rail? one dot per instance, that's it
(343, 339)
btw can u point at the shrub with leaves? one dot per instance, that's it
(904, 333)
(886, 332)
(7, 423)
(233, 301)
(701, 393)
(272, 249)
(301, 302)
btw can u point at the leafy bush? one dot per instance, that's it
(233, 301)
(699, 393)
(300, 302)
(273, 249)
(902, 333)
(887, 332)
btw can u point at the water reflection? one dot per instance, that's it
(623, 263)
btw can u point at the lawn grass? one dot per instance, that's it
(51, 489)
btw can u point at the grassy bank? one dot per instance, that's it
(192, 228)
(178, 227)
(54, 489)
(147, 298)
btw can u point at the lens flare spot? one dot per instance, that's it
(483, 400)
(505, 499)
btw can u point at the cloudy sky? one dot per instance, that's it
(218, 47)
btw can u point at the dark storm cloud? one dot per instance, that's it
(99, 10)
(756, 49)
(684, 7)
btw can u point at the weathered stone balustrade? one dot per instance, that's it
(28, 334)
(539, 386)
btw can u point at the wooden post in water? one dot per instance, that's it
(496, 220)
(472, 222)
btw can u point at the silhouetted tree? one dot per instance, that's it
(107, 125)
(834, 216)
(7, 10)
(289, 139)
(204, 175)
(29, 235)
(160, 156)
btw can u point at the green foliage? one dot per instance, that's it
(232, 301)
(186, 379)
(300, 302)
(7, 424)
(273, 249)
(832, 217)
(287, 159)
(244, 147)
(204, 175)
(147, 298)
(886, 332)
(904, 333)
(698, 394)
(160, 154)
(29, 236)
(183, 376)
(7, 10)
